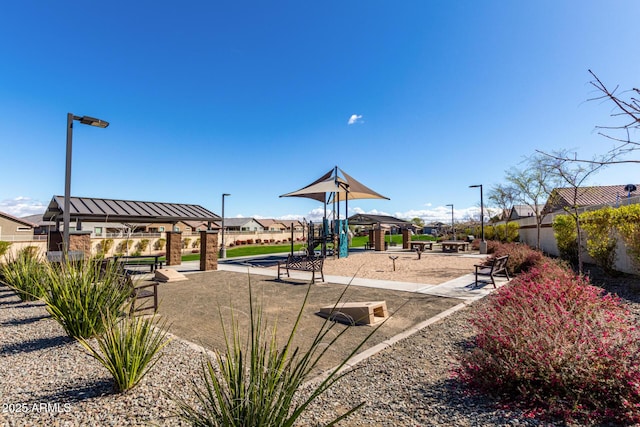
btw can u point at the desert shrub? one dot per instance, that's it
(551, 342)
(256, 382)
(25, 273)
(124, 246)
(521, 256)
(127, 348)
(105, 246)
(249, 241)
(159, 244)
(81, 295)
(564, 229)
(185, 242)
(601, 239)
(142, 245)
(196, 243)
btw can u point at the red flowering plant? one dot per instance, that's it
(551, 342)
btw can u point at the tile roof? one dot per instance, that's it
(588, 196)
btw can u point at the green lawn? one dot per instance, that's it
(252, 250)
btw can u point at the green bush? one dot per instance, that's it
(552, 343)
(564, 229)
(185, 242)
(196, 243)
(601, 238)
(142, 245)
(497, 232)
(159, 244)
(127, 349)
(82, 298)
(257, 382)
(125, 246)
(25, 274)
(627, 222)
(105, 246)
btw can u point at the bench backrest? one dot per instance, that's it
(304, 262)
(500, 263)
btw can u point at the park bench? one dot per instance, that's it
(498, 266)
(302, 263)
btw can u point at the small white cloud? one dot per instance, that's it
(355, 118)
(22, 206)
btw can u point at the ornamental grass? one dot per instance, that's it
(128, 348)
(551, 342)
(256, 382)
(84, 297)
(25, 274)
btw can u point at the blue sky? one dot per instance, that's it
(255, 98)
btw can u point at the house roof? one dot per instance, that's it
(128, 211)
(587, 196)
(22, 221)
(366, 219)
(238, 222)
(522, 211)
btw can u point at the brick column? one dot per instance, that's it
(208, 250)
(406, 238)
(174, 247)
(372, 239)
(80, 241)
(379, 239)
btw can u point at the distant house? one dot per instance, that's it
(271, 224)
(42, 227)
(612, 195)
(434, 228)
(242, 224)
(187, 227)
(12, 228)
(522, 211)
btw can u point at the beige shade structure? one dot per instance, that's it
(344, 188)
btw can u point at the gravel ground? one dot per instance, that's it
(48, 379)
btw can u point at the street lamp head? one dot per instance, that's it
(476, 186)
(92, 121)
(450, 205)
(225, 194)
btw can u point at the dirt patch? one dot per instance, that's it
(430, 268)
(194, 309)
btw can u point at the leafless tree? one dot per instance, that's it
(503, 197)
(573, 175)
(626, 109)
(533, 184)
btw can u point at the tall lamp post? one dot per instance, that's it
(453, 230)
(66, 215)
(223, 249)
(483, 243)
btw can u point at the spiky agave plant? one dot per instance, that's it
(256, 384)
(25, 274)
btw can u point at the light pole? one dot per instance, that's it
(223, 249)
(453, 230)
(66, 215)
(483, 243)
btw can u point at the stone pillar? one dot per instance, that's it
(80, 241)
(379, 239)
(406, 238)
(208, 250)
(174, 247)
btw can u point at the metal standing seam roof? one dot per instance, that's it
(110, 210)
(365, 219)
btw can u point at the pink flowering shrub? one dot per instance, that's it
(551, 342)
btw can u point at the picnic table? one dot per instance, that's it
(421, 245)
(153, 261)
(455, 246)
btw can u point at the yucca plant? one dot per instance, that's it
(127, 349)
(257, 384)
(83, 297)
(25, 274)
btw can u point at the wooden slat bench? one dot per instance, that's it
(303, 263)
(144, 297)
(497, 267)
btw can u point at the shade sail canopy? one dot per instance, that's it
(331, 184)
